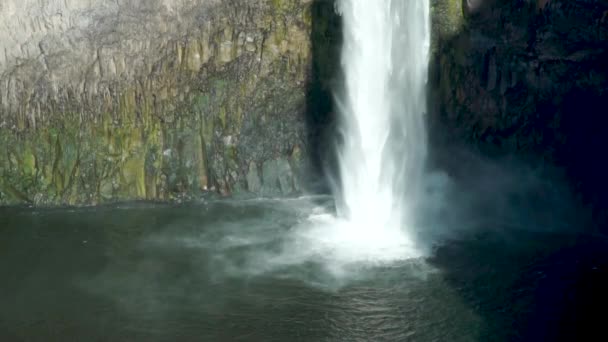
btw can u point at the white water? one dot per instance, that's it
(385, 59)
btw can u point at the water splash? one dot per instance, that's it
(385, 59)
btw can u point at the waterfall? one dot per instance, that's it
(382, 149)
(382, 106)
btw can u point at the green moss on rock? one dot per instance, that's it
(219, 105)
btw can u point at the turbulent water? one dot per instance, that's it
(235, 271)
(384, 58)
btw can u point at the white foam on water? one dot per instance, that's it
(341, 242)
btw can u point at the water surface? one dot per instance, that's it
(234, 271)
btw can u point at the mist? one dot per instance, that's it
(473, 194)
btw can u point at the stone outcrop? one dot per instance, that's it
(525, 77)
(151, 99)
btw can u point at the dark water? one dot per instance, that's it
(215, 272)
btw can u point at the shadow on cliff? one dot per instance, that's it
(324, 77)
(535, 156)
(527, 81)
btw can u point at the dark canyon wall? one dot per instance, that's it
(160, 100)
(151, 99)
(525, 77)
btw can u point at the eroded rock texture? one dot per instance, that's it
(151, 99)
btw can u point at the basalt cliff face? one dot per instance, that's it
(151, 99)
(525, 77)
(166, 99)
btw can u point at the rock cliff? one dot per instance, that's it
(525, 77)
(166, 99)
(151, 99)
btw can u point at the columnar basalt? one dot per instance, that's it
(157, 100)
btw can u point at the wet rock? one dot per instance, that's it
(254, 183)
(278, 178)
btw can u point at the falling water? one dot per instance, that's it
(384, 59)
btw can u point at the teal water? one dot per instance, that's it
(228, 271)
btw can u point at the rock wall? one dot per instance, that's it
(526, 77)
(151, 99)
